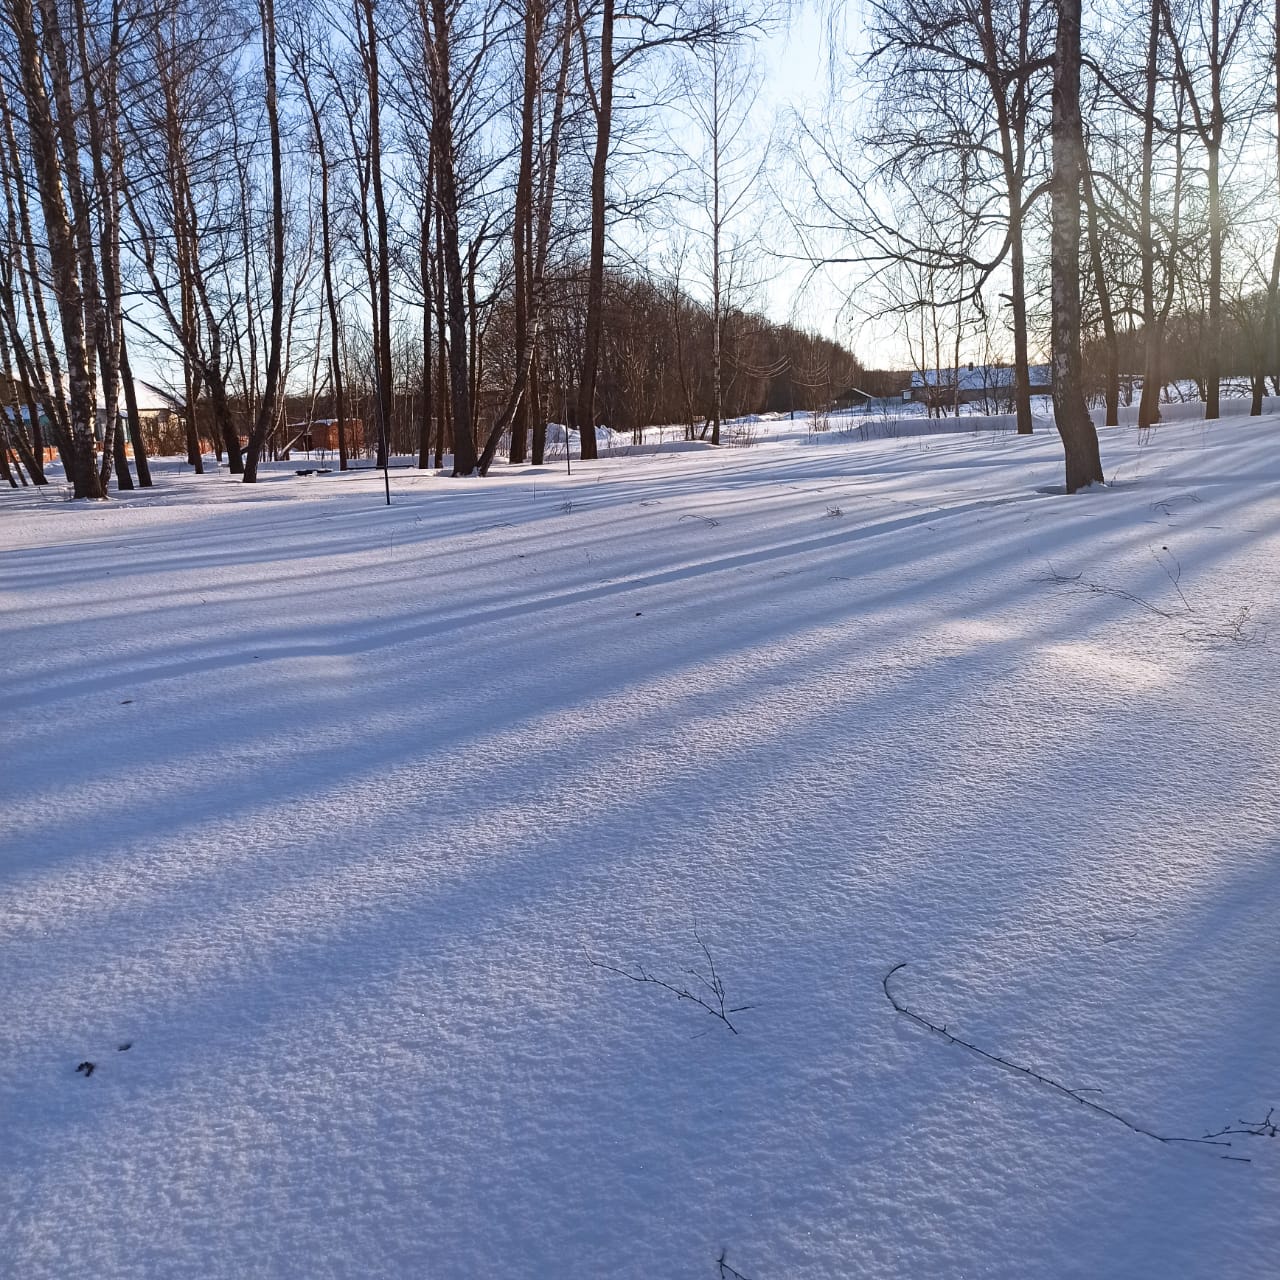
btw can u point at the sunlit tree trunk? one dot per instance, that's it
(64, 259)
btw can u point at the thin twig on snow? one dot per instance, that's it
(1209, 1140)
(715, 1005)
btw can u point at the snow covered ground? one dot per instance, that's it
(321, 808)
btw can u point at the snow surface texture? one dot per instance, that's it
(319, 807)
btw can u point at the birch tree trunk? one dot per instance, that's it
(64, 259)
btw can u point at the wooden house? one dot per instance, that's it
(319, 435)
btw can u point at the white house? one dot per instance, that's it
(988, 384)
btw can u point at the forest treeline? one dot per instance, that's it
(655, 368)
(458, 220)
(656, 363)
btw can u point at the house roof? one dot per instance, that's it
(978, 377)
(150, 399)
(153, 399)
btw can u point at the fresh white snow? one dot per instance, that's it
(320, 807)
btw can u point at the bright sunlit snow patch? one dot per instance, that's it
(1106, 666)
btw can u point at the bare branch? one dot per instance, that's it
(1209, 1140)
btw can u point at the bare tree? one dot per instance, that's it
(1079, 436)
(187, 186)
(44, 74)
(1268, 356)
(32, 360)
(268, 407)
(367, 46)
(720, 85)
(958, 126)
(298, 43)
(438, 19)
(649, 28)
(1215, 103)
(532, 226)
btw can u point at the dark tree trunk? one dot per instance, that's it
(464, 449)
(1018, 305)
(532, 238)
(1111, 389)
(443, 400)
(1079, 437)
(522, 232)
(326, 248)
(538, 443)
(132, 417)
(424, 426)
(29, 458)
(267, 409)
(80, 457)
(123, 479)
(1213, 339)
(386, 385)
(1271, 323)
(585, 414)
(1149, 404)
(1010, 105)
(42, 370)
(473, 336)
